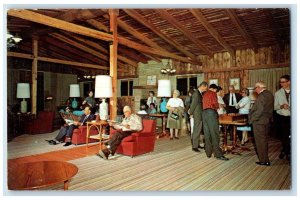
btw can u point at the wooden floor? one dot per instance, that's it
(171, 167)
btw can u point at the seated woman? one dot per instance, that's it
(142, 110)
(152, 109)
(130, 124)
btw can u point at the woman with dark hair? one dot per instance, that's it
(244, 107)
(151, 99)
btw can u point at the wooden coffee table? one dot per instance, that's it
(34, 175)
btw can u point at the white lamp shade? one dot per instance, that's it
(103, 88)
(23, 90)
(164, 88)
(74, 90)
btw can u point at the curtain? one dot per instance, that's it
(269, 76)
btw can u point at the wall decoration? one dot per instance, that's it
(213, 81)
(151, 80)
(235, 82)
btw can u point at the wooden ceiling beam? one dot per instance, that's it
(71, 50)
(239, 25)
(60, 24)
(78, 45)
(53, 60)
(135, 15)
(165, 15)
(150, 50)
(103, 50)
(97, 24)
(49, 21)
(200, 17)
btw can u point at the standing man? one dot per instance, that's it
(196, 113)
(231, 99)
(211, 123)
(283, 111)
(260, 116)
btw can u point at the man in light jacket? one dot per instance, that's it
(283, 111)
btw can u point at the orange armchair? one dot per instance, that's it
(79, 135)
(140, 142)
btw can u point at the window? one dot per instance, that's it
(127, 88)
(185, 83)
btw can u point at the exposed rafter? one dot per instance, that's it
(165, 15)
(239, 25)
(198, 14)
(135, 15)
(60, 24)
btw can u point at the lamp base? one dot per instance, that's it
(74, 103)
(103, 110)
(23, 106)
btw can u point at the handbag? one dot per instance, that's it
(174, 116)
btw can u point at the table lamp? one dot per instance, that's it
(103, 89)
(74, 92)
(23, 91)
(164, 90)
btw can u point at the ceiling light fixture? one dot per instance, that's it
(168, 69)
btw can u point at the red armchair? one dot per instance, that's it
(43, 123)
(140, 142)
(79, 135)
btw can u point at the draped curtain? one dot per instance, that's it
(269, 76)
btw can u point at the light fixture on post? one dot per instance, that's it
(74, 92)
(103, 89)
(168, 69)
(23, 91)
(12, 41)
(164, 90)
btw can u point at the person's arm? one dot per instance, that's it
(195, 100)
(257, 110)
(169, 107)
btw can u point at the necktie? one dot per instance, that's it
(287, 95)
(84, 119)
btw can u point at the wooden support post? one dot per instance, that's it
(113, 47)
(34, 76)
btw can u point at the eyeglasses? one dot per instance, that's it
(283, 81)
(256, 87)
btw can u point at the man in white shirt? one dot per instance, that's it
(231, 99)
(283, 111)
(130, 124)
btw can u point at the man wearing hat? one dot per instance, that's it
(131, 123)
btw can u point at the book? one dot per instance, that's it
(69, 122)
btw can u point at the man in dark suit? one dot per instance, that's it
(231, 99)
(67, 131)
(260, 116)
(196, 113)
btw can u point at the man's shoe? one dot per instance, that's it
(222, 158)
(67, 144)
(264, 163)
(177, 138)
(104, 153)
(196, 150)
(52, 142)
(208, 156)
(201, 147)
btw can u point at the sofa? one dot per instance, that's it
(140, 142)
(42, 124)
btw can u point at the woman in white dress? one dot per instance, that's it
(244, 107)
(175, 105)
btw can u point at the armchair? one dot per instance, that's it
(42, 124)
(140, 142)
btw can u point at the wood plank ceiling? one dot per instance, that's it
(152, 34)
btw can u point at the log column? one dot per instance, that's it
(113, 47)
(34, 75)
